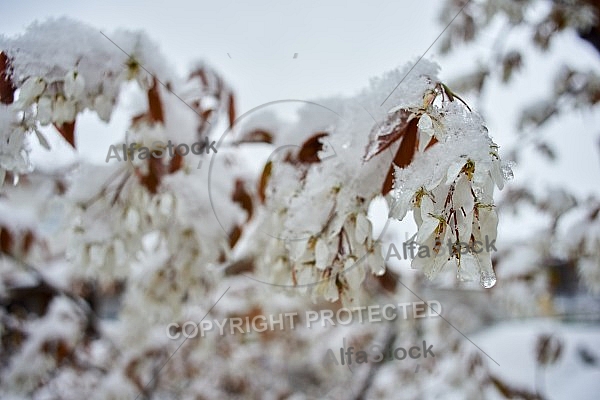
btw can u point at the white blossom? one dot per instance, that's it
(74, 86)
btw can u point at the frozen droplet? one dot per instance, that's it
(478, 192)
(507, 172)
(346, 145)
(488, 279)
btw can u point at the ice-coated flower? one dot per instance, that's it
(103, 106)
(64, 110)
(375, 260)
(426, 131)
(31, 89)
(12, 157)
(144, 79)
(74, 86)
(322, 254)
(401, 203)
(363, 228)
(44, 110)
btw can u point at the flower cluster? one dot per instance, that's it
(450, 189)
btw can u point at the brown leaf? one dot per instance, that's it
(16, 244)
(511, 392)
(405, 154)
(310, 149)
(152, 180)
(257, 136)
(154, 104)
(56, 348)
(207, 113)
(7, 89)
(241, 196)
(6, 240)
(27, 242)
(239, 267)
(137, 119)
(234, 236)
(392, 130)
(176, 162)
(431, 143)
(67, 131)
(264, 181)
(231, 109)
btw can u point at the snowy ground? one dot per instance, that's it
(512, 345)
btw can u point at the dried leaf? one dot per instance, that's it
(56, 348)
(152, 180)
(510, 392)
(241, 196)
(7, 89)
(392, 130)
(234, 236)
(231, 109)
(176, 163)
(264, 181)
(6, 240)
(405, 153)
(155, 109)
(257, 136)
(309, 151)
(244, 265)
(27, 241)
(137, 119)
(67, 131)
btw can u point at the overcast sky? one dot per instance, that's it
(339, 46)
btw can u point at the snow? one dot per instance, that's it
(512, 345)
(317, 244)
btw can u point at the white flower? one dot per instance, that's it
(74, 85)
(401, 203)
(426, 131)
(103, 106)
(64, 110)
(30, 90)
(144, 79)
(363, 228)
(322, 254)
(354, 273)
(44, 110)
(375, 260)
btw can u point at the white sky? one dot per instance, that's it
(340, 45)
